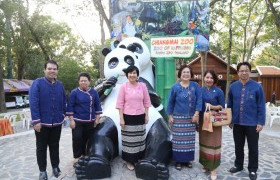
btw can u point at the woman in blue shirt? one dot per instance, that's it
(183, 109)
(84, 111)
(210, 142)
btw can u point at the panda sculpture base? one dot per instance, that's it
(103, 148)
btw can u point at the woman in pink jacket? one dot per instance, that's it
(133, 104)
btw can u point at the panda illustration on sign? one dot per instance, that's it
(105, 142)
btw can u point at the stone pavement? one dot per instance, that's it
(18, 160)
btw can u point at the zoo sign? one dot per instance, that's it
(173, 46)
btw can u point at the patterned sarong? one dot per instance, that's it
(183, 141)
(210, 147)
(133, 138)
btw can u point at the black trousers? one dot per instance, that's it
(48, 136)
(239, 134)
(80, 136)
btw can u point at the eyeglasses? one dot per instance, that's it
(244, 71)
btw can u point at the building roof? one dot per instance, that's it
(216, 57)
(268, 71)
(14, 85)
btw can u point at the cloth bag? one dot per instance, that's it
(207, 122)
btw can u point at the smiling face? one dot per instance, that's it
(132, 76)
(186, 74)
(51, 71)
(84, 83)
(209, 80)
(244, 73)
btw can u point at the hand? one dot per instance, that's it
(171, 120)
(110, 82)
(72, 124)
(259, 127)
(37, 127)
(146, 119)
(97, 121)
(208, 104)
(122, 123)
(195, 118)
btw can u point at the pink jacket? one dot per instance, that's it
(133, 99)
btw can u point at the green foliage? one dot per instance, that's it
(69, 71)
(241, 11)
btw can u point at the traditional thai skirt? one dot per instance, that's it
(183, 141)
(210, 146)
(133, 138)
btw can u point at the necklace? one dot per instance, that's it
(186, 92)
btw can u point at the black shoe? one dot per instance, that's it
(235, 169)
(43, 175)
(253, 175)
(189, 165)
(178, 166)
(56, 172)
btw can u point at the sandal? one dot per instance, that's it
(189, 165)
(178, 166)
(204, 169)
(213, 175)
(130, 166)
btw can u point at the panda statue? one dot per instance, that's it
(105, 143)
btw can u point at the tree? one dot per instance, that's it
(275, 14)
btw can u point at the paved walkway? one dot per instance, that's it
(18, 160)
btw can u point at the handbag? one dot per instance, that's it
(207, 122)
(222, 118)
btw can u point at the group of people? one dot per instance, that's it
(186, 105)
(185, 110)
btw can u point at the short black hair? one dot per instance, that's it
(213, 73)
(84, 74)
(244, 64)
(181, 69)
(50, 62)
(131, 69)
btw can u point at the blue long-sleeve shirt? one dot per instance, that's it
(247, 103)
(184, 101)
(47, 102)
(214, 96)
(83, 105)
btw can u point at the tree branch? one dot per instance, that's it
(275, 14)
(99, 7)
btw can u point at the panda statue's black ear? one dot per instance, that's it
(131, 47)
(106, 51)
(138, 35)
(116, 43)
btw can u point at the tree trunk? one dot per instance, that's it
(2, 93)
(9, 47)
(101, 59)
(254, 40)
(245, 30)
(47, 55)
(99, 7)
(275, 14)
(203, 56)
(229, 49)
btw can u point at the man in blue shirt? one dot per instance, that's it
(247, 100)
(48, 107)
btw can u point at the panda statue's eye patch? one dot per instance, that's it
(139, 48)
(129, 60)
(122, 46)
(113, 62)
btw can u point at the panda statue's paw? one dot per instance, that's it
(92, 168)
(151, 170)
